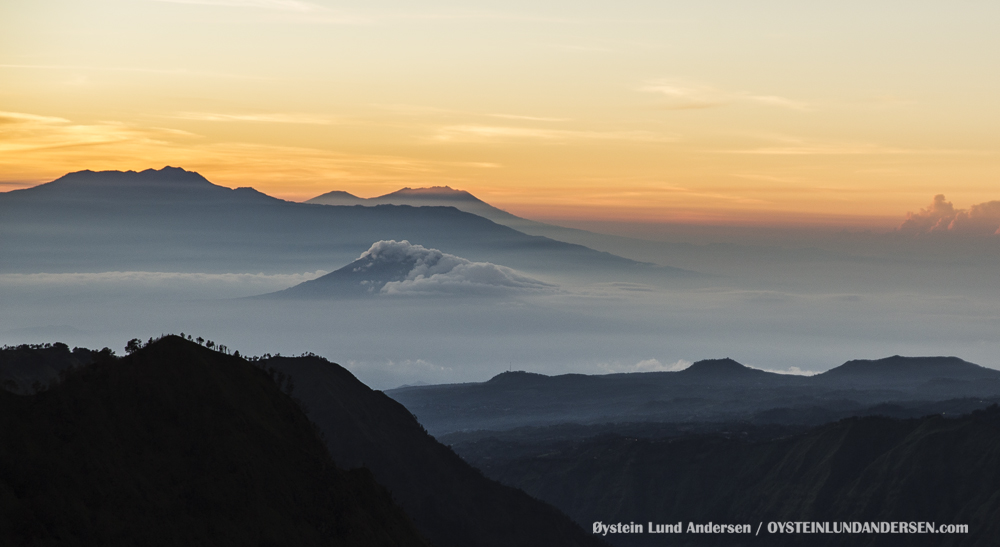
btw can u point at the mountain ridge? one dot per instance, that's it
(175, 220)
(709, 390)
(863, 469)
(398, 267)
(177, 444)
(450, 502)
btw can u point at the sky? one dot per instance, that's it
(846, 114)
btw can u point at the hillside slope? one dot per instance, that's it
(179, 445)
(450, 501)
(945, 471)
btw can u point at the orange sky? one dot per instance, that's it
(775, 112)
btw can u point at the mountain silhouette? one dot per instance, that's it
(872, 469)
(179, 445)
(435, 196)
(450, 502)
(444, 196)
(708, 390)
(28, 368)
(397, 267)
(897, 369)
(719, 369)
(176, 220)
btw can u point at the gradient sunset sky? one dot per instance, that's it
(845, 113)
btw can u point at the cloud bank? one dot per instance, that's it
(435, 272)
(646, 365)
(137, 284)
(942, 217)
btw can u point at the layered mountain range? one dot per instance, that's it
(176, 220)
(711, 390)
(933, 470)
(99, 450)
(180, 444)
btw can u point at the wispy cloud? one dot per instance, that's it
(141, 277)
(646, 365)
(283, 5)
(530, 118)
(260, 118)
(415, 109)
(570, 47)
(686, 96)
(35, 146)
(460, 15)
(422, 110)
(768, 178)
(480, 133)
(316, 13)
(680, 95)
(838, 149)
(782, 102)
(147, 70)
(21, 132)
(20, 117)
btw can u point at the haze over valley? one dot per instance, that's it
(310, 272)
(162, 251)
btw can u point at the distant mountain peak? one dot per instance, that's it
(431, 193)
(340, 194)
(717, 367)
(392, 267)
(154, 177)
(429, 190)
(910, 368)
(515, 375)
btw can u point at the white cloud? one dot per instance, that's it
(646, 365)
(941, 216)
(680, 95)
(793, 371)
(435, 272)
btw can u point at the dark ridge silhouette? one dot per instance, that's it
(450, 502)
(719, 368)
(179, 445)
(518, 378)
(31, 367)
(176, 220)
(872, 469)
(714, 390)
(911, 369)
